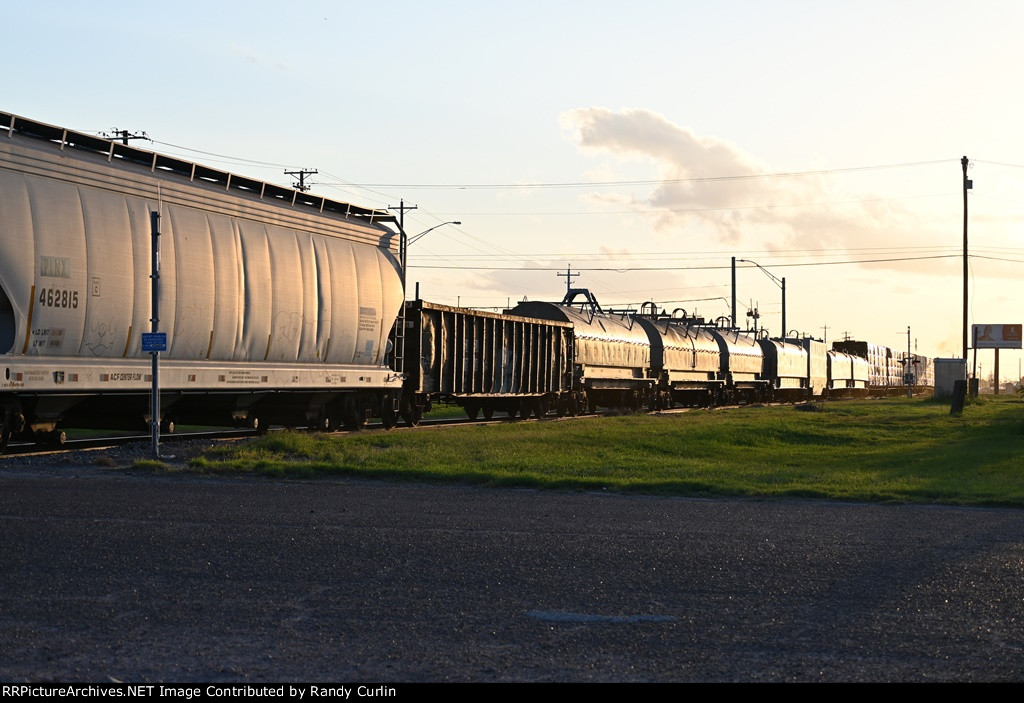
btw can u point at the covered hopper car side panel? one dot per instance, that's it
(245, 284)
(85, 297)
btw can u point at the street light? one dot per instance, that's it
(414, 238)
(406, 241)
(780, 282)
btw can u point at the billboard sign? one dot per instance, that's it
(996, 336)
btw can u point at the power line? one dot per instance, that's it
(997, 163)
(658, 181)
(671, 211)
(712, 253)
(221, 156)
(627, 269)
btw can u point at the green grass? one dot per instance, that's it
(893, 450)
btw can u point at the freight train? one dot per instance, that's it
(284, 307)
(277, 304)
(574, 356)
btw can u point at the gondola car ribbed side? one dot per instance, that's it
(486, 362)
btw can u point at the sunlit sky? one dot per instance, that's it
(644, 143)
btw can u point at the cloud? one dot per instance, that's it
(256, 58)
(712, 185)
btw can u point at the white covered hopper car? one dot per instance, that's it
(277, 304)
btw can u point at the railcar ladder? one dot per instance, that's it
(398, 353)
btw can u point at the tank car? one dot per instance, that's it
(613, 353)
(685, 358)
(786, 367)
(848, 374)
(884, 371)
(277, 304)
(817, 364)
(486, 362)
(742, 366)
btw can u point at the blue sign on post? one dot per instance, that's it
(154, 342)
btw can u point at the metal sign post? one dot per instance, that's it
(154, 341)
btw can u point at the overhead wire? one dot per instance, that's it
(625, 269)
(370, 187)
(659, 181)
(674, 211)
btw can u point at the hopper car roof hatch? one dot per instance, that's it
(114, 151)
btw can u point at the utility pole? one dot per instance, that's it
(402, 242)
(735, 322)
(124, 135)
(568, 278)
(967, 186)
(906, 368)
(301, 174)
(784, 330)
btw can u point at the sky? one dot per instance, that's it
(643, 144)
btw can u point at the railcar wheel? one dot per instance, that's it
(472, 410)
(411, 413)
(354, 419)
(543, 407)
(388, 414)
(5, 431)
(578, 404)
(415, 417)
(167, 426)
(488, 411)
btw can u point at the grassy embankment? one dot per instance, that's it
(892, 450)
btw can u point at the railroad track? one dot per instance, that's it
(26, 449)
(70, 445)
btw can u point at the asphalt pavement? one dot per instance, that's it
(112, 575)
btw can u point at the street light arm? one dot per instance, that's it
(768, 273)
(413, 239)
(781, 283)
